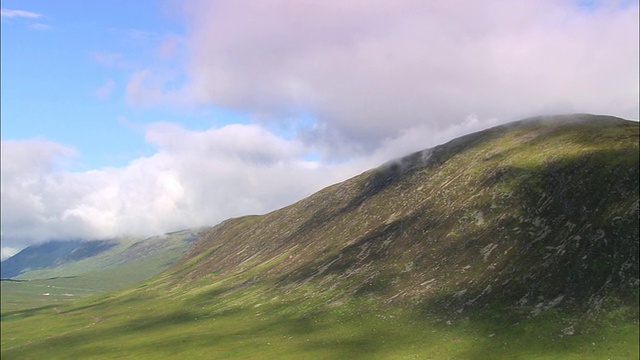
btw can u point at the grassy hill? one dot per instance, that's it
(520, 241)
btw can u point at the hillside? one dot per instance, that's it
(520, 241)
(531, 215)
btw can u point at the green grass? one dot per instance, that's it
(213, 318)
(32, 293)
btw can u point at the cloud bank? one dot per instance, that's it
(365, 69)
(195, 178)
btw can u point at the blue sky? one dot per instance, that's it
(64, 74)
(50, 78)
(142, 117)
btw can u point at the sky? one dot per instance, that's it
(143, 117)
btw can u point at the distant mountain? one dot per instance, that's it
(52, 254)
(77, 257)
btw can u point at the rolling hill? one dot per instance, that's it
(520, 241)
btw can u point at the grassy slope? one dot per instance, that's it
(518, 215)
(312, 282)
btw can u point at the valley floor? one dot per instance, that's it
(219, 323)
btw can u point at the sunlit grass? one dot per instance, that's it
(256, 323)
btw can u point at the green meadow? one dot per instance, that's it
(219, 320)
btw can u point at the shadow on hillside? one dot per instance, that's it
(319, 333)
(21, 314)
(575, 251)
(585, 243)
(237, 333)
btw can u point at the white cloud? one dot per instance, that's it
(195, 178)
(7, 252)
(11, 13)
(138, 90)
(367, 70)
(378, 80)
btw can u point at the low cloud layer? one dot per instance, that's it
(195, 178)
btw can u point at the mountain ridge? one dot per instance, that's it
(334, 243)
(77, 257)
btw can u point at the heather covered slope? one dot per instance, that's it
(527, 216)
(520, 241)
